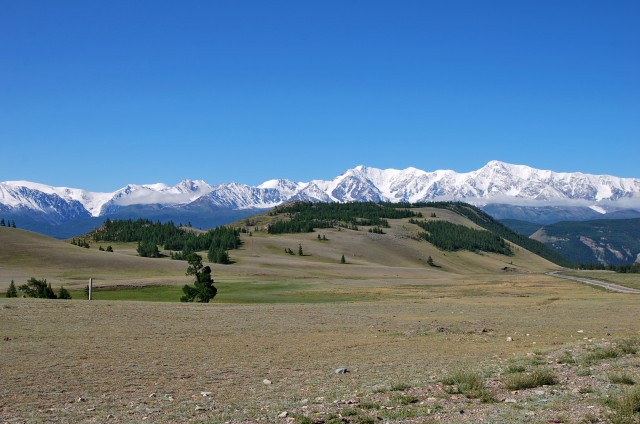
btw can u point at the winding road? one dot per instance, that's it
(608, 286)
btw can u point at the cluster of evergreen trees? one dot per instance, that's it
(150, 235)
(487, 222)
(305, 217)
(7, 224)
(622, 269)
(376, 230)
(82, 242)
(37, 288)
(452, 237)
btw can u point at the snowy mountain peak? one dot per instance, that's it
(496, 182)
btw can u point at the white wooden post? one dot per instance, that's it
(90, 287)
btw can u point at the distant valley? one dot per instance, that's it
(609, 242)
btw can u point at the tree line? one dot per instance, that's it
(150, 235)
(37, 288)
(484, 220)
(452, 237)
(11, 223)
(621, 269)
(305, 217)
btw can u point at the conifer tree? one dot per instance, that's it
(63, 293)
(203, 289)
(38, 288)
(2, 222)
(300, 252)
(11, 291)
(343, 260)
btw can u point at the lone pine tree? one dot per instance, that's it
(203, 289)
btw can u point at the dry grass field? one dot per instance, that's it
(457, 343)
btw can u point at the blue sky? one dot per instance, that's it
(100, 94)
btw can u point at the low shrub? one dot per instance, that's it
(601, 354)
(468, 383)
(621, 378)
(536, 378)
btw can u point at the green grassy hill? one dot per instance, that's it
(24, 254)
(399, 254)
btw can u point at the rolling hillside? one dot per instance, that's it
(398, 254)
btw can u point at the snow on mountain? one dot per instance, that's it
(495, 183)
(42, 198)
(148, 194)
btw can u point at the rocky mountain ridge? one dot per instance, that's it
(497, 183)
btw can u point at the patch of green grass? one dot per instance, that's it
(621, 378)
(369, 405)
(468, 383)
(404, 413)
(566, 358)
(600, 354)
(403, 399)
(146, 293)
(400, 387)
(536, 361)
(301, 419)
(514, 368)
(232, 292)
(628, 346)
(626, 409)
(350, 412)
(536, 378)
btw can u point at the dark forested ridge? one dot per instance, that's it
(485, 221)
(482, 219)
(151, 234)
(307, 216)
(452, 237)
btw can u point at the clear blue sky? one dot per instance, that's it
(98, 94)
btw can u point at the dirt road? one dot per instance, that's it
(608, 286)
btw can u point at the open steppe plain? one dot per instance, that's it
(411, 336)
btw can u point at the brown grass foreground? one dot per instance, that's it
(399, 326)
(70, 361)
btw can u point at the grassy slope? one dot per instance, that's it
(24, 254)
(396, 255)
(398, 322)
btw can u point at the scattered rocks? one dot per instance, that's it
(81, 399)
(342, 370)
(200, 408)
(266, 381)
(509, 339)
(283, 414)
(206, 394)
(510, 400)
(440, 329)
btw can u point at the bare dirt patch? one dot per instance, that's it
(130, 361)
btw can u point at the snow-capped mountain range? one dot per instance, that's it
(495, 183)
